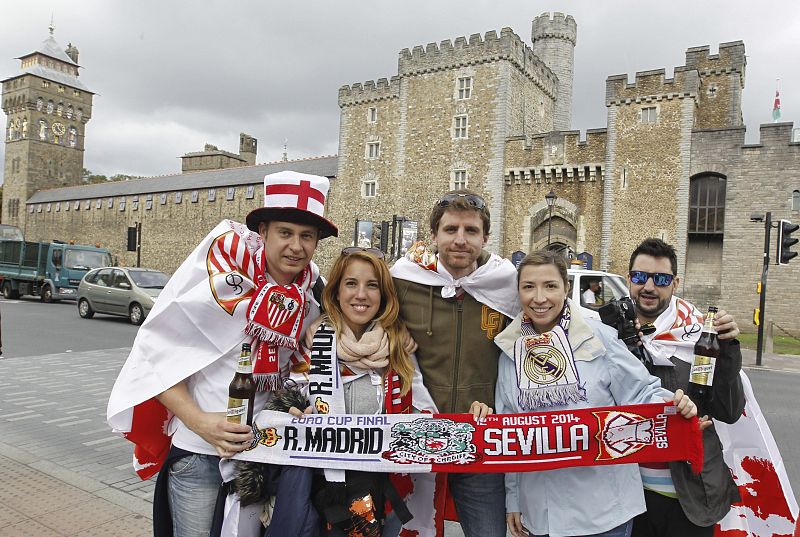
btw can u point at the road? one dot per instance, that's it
(58, 372)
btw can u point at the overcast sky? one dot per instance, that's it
(170, 76)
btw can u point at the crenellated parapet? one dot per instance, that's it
(731, 58)
(558, 156)
(477, 50)
(652, 86)
(774, 136)
(558, 26)
(369, 91)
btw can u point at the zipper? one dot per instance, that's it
(457, 361)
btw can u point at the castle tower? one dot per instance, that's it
(719, 103)
(248, 147)
(554, 43)
(47, 108)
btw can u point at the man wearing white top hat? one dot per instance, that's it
(171, 395)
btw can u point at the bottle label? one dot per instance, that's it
(237, 410)
(702, 370)
(244, 367)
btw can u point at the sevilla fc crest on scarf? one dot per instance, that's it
(282, 307)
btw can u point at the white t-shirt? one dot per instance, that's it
(589, 297)
(209, 388)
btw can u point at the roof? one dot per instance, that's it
(53, 76)
(245, 175)
(50, 47)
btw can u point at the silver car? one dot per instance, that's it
(130, 292)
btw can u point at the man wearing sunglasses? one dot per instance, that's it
(453, 306)
(679, 503)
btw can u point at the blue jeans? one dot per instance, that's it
(623, 530)
(480, 503)
(193, 485)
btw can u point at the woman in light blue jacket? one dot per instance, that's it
(596, 370)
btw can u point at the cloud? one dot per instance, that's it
(172, 76)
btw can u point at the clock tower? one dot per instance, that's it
(47, 108)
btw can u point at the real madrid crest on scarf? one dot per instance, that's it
(546, 372)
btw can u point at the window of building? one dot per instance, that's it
(370, 186)
(373, 150)
(61, 89)
(122, 204)
(87, 205)
(31, 209)
(162, 199)
(77, 206)
(135, 203)
(48, 207)
(212, 194)
(372, 114)
(148, 202)
(195, 196)
(39, 208)
(230, 193)
(250, 192)
(67, 205)
(465, 87)
(58, 206)
(45, 84)
(459, 180)
(50, 107)
(110, 203)
(460, 127)
(796, 200)
(649, 114)
(707, 204)
(98, 204)
(178, 197)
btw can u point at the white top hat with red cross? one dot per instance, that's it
(294, 197)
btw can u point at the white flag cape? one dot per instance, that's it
(198, 318)
(768, 505)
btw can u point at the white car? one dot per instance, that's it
(612, 286)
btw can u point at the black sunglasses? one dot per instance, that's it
(371, 251)
(660, 279)
(473, 199)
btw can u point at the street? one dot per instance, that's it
(58, 370)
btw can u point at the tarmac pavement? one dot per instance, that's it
(62, 472)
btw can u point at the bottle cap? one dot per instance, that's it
(245, 347)
(712, 309)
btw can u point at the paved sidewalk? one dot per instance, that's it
(41, 499)
(775, 362)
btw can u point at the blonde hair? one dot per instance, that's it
(388, 316)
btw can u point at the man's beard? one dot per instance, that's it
(655, 311)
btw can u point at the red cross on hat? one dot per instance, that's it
(297, 198)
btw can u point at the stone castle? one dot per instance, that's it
(489, 113)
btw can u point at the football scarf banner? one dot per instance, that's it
(413, 443)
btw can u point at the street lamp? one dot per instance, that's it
(550, 198)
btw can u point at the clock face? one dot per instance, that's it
(59, 129)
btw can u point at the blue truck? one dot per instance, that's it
(50, 270)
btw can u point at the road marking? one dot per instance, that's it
(67, 424)
(103, 440)
(19, 393)
(42, 404)
(82, 410)
(24, 417)
(18, 414)
(56, 420)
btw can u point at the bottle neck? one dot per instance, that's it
(244, 365)
(709, 324)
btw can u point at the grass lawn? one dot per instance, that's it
(782, 344)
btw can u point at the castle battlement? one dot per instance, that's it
(652, 86)
(370, 91)
(558, 26)
(731, 57)
(774, 135)
(478, 49)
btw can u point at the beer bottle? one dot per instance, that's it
(706, 352)
(242, 390)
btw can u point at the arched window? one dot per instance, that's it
(707, 204)
(796, 200)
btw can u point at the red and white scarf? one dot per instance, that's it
(677, 330)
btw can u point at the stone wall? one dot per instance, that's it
(647, 163)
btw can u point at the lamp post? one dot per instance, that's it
(550, 198)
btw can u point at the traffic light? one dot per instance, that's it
(132, 238)
(786, 241)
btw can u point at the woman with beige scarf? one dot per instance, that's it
(376, 375)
